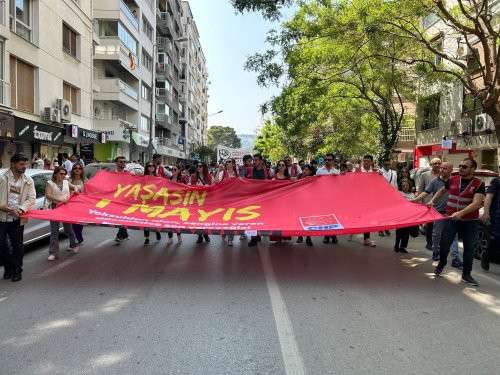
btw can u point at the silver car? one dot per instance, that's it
(35, 230)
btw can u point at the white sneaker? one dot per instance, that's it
(369, 242)
(169, 241)
(51, 257)
(75, 250)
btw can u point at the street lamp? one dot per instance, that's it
(216, 113)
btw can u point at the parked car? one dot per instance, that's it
(483, 240)
(35, 230)
(91, 169)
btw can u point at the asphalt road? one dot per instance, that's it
(281, 309)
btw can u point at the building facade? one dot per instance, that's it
(124, 37)
(46, 78)
(450, 122)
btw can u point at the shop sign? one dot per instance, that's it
(34, 131)
(119, 135)
(6, 126)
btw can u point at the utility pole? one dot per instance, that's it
(153, 97)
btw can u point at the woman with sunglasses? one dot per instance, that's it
(281, 174)
(77, 179)
(150, 170)
(201, 177)
(281, 171)
(58, 190)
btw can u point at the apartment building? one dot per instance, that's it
(448, 112)
(46, 78)
(170, 134)
(194, 84)
(123, 50)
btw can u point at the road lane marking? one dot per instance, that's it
(289, 347)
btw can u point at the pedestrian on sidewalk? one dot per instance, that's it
(466, 195)
(77, 179)
(491, 216)
(403, 234)
(17, 196)
(57, 191)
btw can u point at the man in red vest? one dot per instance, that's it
(466, 195)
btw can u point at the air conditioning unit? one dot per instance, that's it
(483, 123)
(65, 107)
(51, 114)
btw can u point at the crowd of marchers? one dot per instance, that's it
(461, 197)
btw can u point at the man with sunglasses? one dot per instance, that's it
(122, 234)
(466, 195)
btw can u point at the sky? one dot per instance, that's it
(228, 39)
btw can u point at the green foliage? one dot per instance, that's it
(207, 154)
(271, 142)
(224, 136)
(269, 8)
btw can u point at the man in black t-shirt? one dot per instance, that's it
(492, 214)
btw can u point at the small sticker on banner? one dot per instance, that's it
(323, 222)
(251, 233)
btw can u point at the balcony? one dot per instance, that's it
(129, 14)
(164, 23)
(164, 44)
(163, 70)
(114, 89)
(162, 119)
(111, 48)
(116, 128)
(163, 94)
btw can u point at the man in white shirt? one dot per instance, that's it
(329, 167)
(66, 163)
(391, 177)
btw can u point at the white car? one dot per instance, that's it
(35, 230)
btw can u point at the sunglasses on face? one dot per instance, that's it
(463, 166)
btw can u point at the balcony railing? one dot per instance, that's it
(130, 16)
(130, 91)
(162, 118)
(164, 43)
(164, 141)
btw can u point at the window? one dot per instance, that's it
(147, 28)
(147, 60)
(70, 41)
(144, 125)
(145, 92)
(430, 111)
(72, 95)
(162, 108)
(22, 85)
(116, 29)
(3, 85)
(437, 44)
(471, 107)
(20, 18)
(40, 181)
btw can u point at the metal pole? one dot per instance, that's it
(153, 96)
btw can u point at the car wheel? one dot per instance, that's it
(483, 239)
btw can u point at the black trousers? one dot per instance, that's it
(122, 233)
(429, 227)
(402, 238)
(12, 256)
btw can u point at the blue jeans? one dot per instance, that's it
(437, 231)
(468, 231)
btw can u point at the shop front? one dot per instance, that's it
(139, 147)
(424, 153)
(116, 143)
(42, 139)
(84, 141)
(7, 139)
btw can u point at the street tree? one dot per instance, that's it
(271, 141)
(328, 53)
(224, 136)
(271, 9)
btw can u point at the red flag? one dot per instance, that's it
(320, 205)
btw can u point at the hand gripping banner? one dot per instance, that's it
(314, 206)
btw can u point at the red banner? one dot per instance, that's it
(320, 205)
